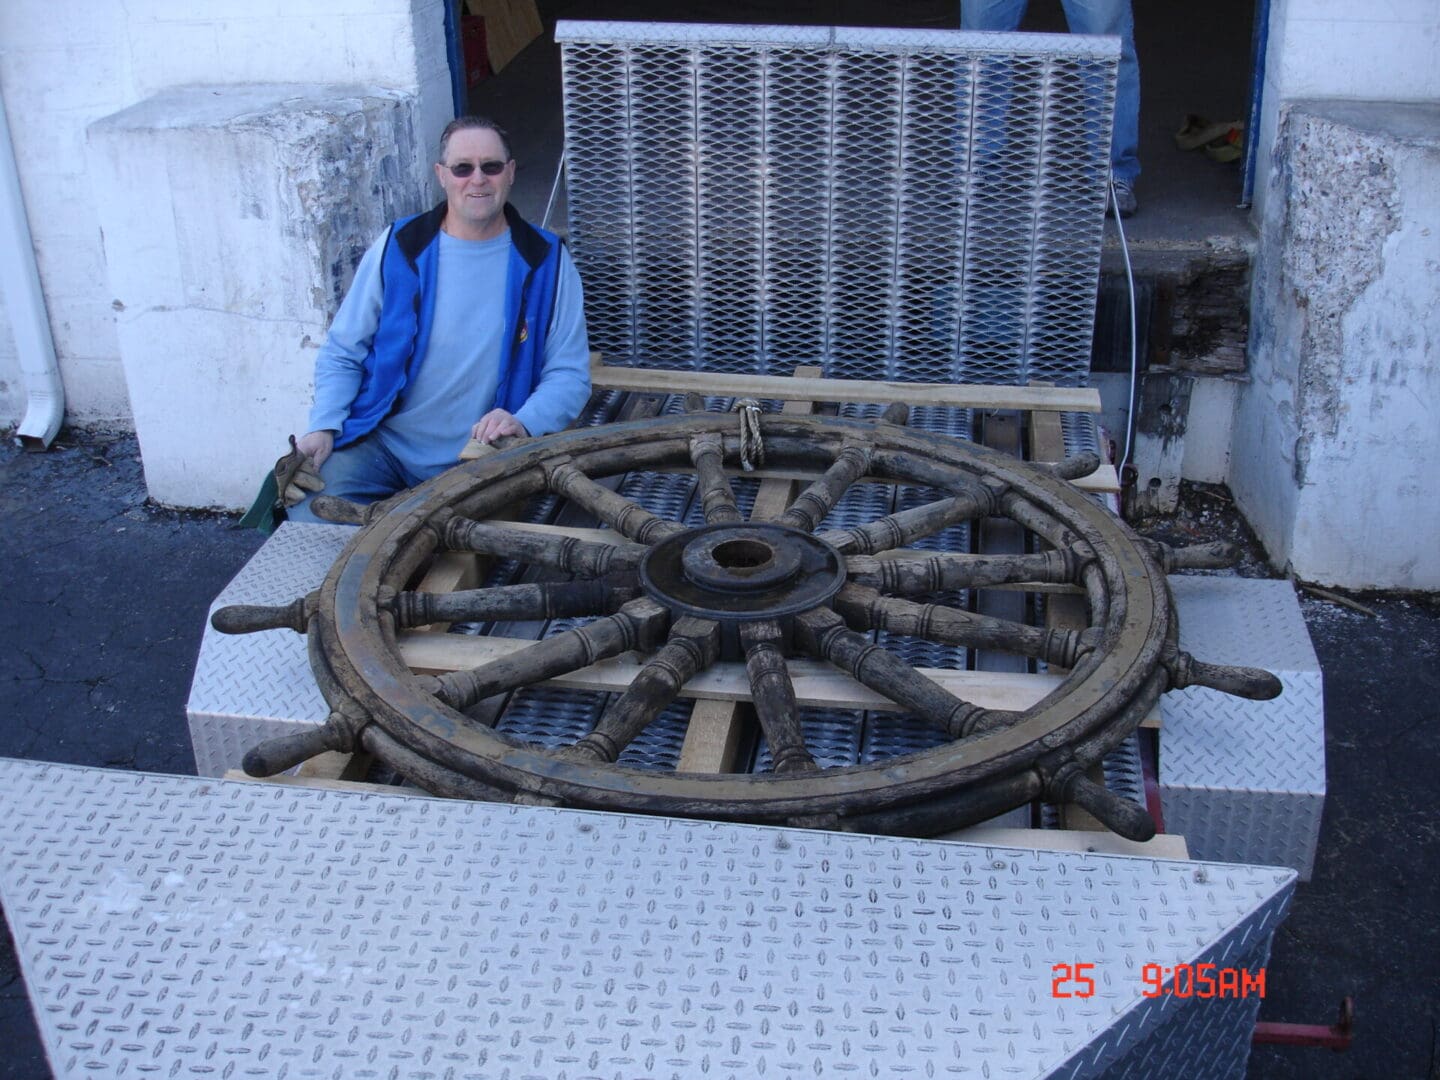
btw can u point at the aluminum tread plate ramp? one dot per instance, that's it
(915, 205)
(1244, 781)
(252, 687)
(171, 926)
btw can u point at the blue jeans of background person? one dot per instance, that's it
(363, 472)
(1112, 17)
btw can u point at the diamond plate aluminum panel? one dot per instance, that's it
(1245, 780)
(1234, 620)
(173, 925)
(1205, 1039)
(712, 177)
(252, 687)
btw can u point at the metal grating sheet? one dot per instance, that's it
(1245, 780)
(171, 926)
(889, 204)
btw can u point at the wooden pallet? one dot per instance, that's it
(720, 721)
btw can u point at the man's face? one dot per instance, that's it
(476, 201)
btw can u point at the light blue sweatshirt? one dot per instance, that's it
(456, 379)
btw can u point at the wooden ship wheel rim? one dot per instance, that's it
(357, 662)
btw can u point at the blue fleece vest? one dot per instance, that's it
(408, 270)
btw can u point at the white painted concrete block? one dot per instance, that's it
(107, 398)
(1337, 434)
(233, 225)
(84, 327)
(67, 63)
(1208, 431)
(1372, 59)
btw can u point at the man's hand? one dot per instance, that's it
(495, 424)
(295, 473)
(316, 445)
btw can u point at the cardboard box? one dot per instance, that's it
(510, 25)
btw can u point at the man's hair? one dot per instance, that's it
(469, 123)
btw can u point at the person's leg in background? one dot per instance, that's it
(362, 472)
(1116, 17)
(991, 14)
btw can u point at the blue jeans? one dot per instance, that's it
(363, 472)
(1112, 17)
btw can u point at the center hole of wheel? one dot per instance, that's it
(742, 555)
(740, 558)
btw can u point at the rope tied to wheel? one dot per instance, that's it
(752, 444)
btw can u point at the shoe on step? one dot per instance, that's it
(1123, 199)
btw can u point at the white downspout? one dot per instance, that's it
(25, 302)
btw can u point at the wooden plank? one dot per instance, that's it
(816, 682)
(449, 572)
(323, 784)
(713, 737)
(960, 395)
(333, 765)
(1164, 846)
(1103, 480)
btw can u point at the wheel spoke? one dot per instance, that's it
(813, 505)
(637, 625)
(693, 646)
(918, 577)
(539, 600)
(717, 497)
(823, 633)
(584, 558)
(774, 697)
(906, 526)
(628, 518)
(865, 609)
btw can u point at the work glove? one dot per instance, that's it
(295, 476)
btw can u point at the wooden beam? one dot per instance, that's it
(1164, 846)
(811, 389)
(713, 737)
(816, 682)
(334, 765)
(322, 783)
(1103, 480)
(712, 740)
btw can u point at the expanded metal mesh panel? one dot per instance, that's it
(659, 745)
(889, 735)
(551, 716)
(912, 205)
(832, 736)
(1080, 434)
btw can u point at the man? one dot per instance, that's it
(1112, 17)
(462, 322)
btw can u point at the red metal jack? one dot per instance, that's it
(1334, 1037)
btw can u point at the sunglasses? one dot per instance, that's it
(460, 170)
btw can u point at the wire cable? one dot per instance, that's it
(1134, 346)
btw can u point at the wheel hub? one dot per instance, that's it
(738, 573)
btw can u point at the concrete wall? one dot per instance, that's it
(1338, 433)
(233, 220)
(66, 63)
(1334, 433)
(1343, 49)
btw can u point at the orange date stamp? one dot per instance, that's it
(1076, 980)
